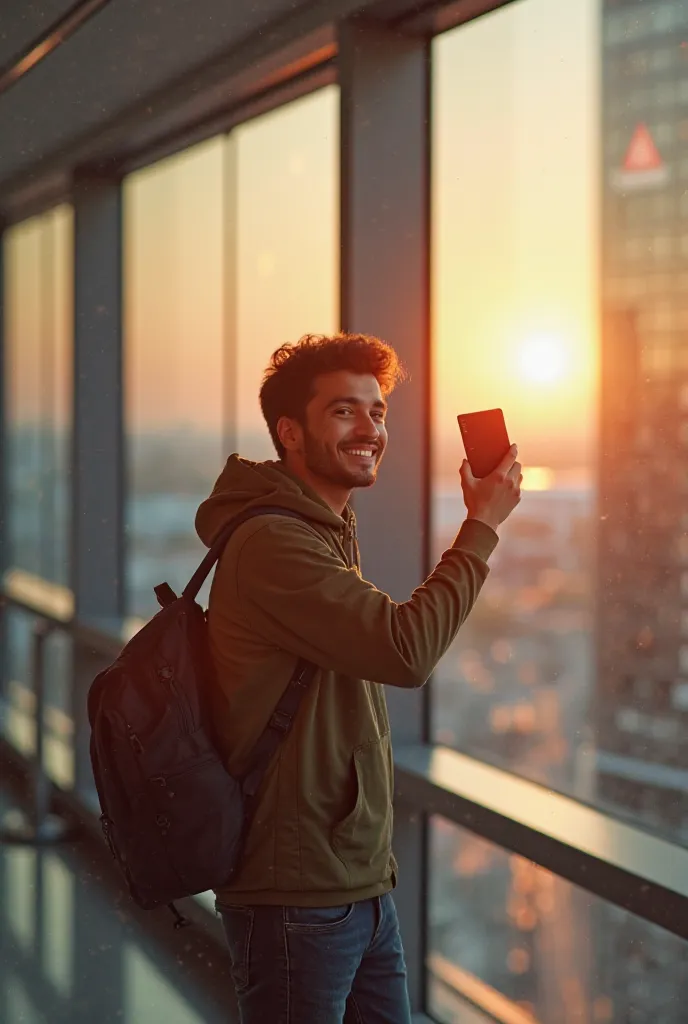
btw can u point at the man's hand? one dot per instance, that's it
(493, 498)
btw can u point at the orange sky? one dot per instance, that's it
(179, 220)
(516, 224)
(38, 317)
(514, 252)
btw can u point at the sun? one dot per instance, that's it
(543, 359)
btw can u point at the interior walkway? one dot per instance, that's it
(74, 950)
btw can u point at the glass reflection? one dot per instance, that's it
(38, 393)
(531, 948)
(17, 709)
(74, 951)
(559, 190)
(287, 245)
(174, 239)
(572, 669)
(38, 352)
(230, 250)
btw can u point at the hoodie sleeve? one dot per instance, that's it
(296, 593)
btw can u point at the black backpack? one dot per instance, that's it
(173, 816)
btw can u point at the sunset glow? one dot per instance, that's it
(515, 307)
(543, 359)
(537, 478)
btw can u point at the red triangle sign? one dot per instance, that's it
(642, 154)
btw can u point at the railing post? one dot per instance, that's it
(40, 827)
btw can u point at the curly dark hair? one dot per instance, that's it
(288, 382)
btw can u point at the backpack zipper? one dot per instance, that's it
(135, 742)
(166, 677)
(164, 780)
(106, 825)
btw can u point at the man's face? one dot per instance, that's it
(345, 435)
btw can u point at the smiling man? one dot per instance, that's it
(340, 443)
(309, 918)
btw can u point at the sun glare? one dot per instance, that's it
(537, 478)
(543, 359)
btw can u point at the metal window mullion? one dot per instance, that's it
(4, 462)
(46, 369)
(97, 517)
(230, 194)
(385, 152)
(97, 424)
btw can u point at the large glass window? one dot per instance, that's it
(287, 245)
(38, 389)
(529, 947)
(553, 186)
(174, 244)
(38, 324)
(569, 668)
(231, 249)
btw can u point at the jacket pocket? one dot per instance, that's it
(362, 841)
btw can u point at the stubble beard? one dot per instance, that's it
(321, 463)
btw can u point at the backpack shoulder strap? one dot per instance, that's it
(199, 577)
(283, 716)
(275, 731)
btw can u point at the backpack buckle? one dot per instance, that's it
(165, 594)
(280, 721)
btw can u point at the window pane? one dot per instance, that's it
(570, 668)
(38, 392)
(231, 249)
(287, 245)
(174, 236)
(38, 354)
(511, 935)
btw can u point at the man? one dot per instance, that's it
(310, 922)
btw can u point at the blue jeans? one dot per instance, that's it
(318, 965)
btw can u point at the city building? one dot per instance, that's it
(642, 663)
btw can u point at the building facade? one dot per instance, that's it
(642, 619)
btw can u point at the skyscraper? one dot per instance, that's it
(642, 594)
(642, 615)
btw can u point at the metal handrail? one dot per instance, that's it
(619, 862)
(52, 607)
(39, 826)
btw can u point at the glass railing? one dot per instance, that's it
(528, 947)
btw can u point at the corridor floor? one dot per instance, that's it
(73, 950)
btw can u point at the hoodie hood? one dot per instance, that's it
(243, 484)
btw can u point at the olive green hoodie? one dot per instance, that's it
(283, 589)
